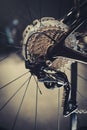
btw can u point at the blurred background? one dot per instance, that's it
(15, 15)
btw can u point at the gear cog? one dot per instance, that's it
(38, 38)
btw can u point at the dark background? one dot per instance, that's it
(25, 11)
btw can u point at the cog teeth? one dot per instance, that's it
(50, 26)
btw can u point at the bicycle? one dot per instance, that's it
(45, 62)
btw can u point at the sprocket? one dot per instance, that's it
(38, 38)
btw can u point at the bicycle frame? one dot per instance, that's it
(59, 49)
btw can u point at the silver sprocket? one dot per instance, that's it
(38, 43)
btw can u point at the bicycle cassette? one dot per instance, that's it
(42, 34)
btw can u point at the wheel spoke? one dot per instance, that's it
(4, 58)
(14, 80)
(20, 106)
(82, 96)
(37, 85)
(13, 95)
(31, 16)
(58, 117)
(36, 107)
(40, 10)
(2, 33)
(78, 75)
